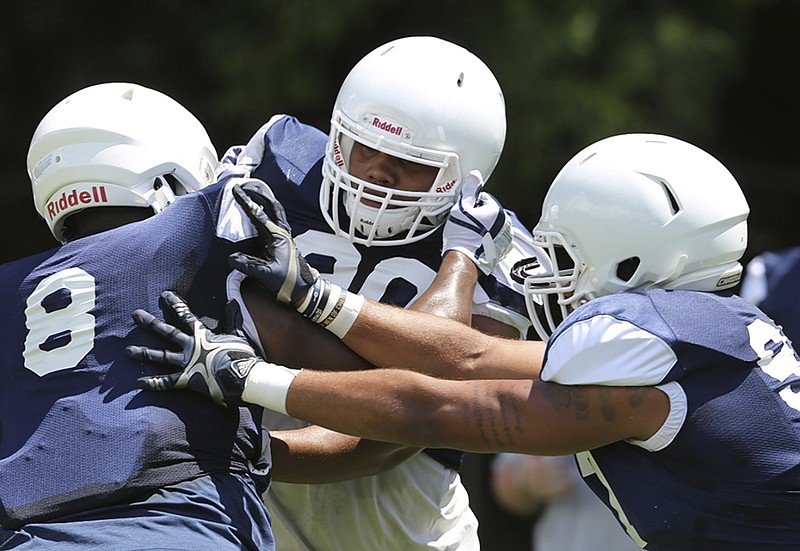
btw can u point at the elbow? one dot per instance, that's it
(418, 418)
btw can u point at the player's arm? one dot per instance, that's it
(315, 455)
(394, 337)
(451, 293)
(288, 339)
(480, 416)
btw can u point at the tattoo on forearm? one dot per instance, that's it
(606, 405)
(511, 417)
(636, 396)
(581, 404)
(497, 427)
(581, 399)
(473, 412)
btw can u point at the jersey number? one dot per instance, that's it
(403, 278)
(60, 327)
(776, 357)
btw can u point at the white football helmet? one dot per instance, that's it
(116, 144)
(635, 211)
(424, 100)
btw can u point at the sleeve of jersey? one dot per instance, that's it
(603, 350)
(508, 305)
(239, 161)
(232, 223)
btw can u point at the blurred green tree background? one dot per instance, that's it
(718, 73)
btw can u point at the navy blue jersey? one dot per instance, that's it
(723, 473)
(76, 433)
(772, 282)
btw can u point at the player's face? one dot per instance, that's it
(388, 171)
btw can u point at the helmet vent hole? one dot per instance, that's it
(627, 268)
(673, 202)
(460, 81)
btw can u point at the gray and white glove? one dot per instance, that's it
(285, 274)
(221, 366)
(478, 226)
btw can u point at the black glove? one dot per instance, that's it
(215, 365)
(283, 271)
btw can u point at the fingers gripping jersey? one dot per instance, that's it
(76, 433)
(724, 471)
(419, 504)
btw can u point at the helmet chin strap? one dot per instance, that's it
(162, 197)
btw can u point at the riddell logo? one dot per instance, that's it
(387, 126)
(74, 198)
(447, 187)
(338, 158)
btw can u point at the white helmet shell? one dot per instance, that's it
(421, 99)
(116, 144)
(638, 211)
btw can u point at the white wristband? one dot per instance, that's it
(267, 385)
(346, 317)
(332, 307)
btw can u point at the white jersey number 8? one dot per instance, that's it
(60, 327)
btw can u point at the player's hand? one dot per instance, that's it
(282, 271)
(478, 226)
(215, 365)
(285, 274)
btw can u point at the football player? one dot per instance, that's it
(366, 203)
(86, 460)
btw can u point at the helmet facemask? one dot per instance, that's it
(376, 214)
(550, 296)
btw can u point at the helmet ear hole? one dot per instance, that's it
(627, 268)
(174, 184)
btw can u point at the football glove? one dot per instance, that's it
(285, 274)
(215, 365)
(478, 226)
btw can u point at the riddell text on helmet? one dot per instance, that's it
(96, 195)
(386, 126)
